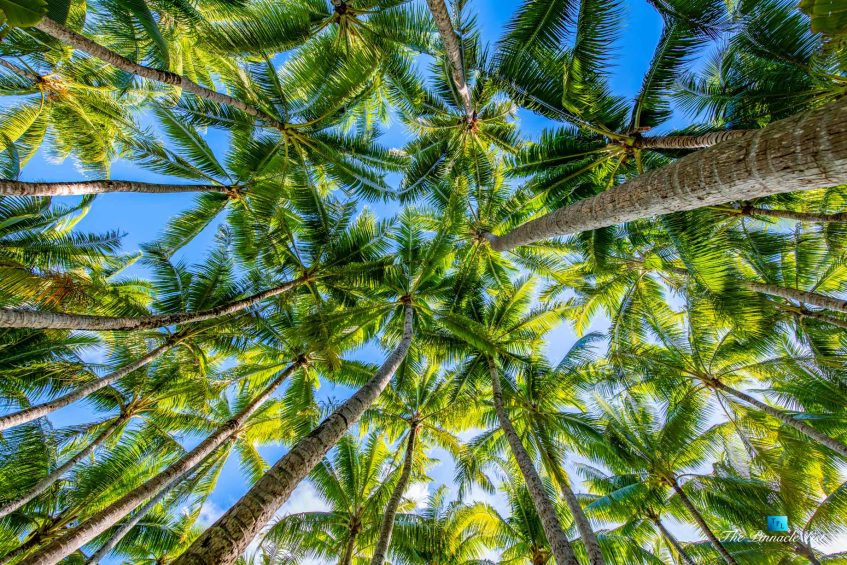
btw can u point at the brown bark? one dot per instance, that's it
(453, 48)
(225, 540)
(347, 557)
(792, 215)
(704, 527)
(21, 72)
(689, 141)
(35, 412)
(804, 152)
(811, 298)
(57, 473)
(74, 539)
(19, 188)
(387, 526)
(54, 320)
(559, 544)
(822, 317)
(94, 49)
(680, 551)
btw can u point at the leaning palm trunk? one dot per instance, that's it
(680, 551)
(349, 547)
(387, 525)
(19, 188)
(689, 141)
(94, 49)
(692, 510)
(35, 412)
(804, 152)
(803, 313)
(57, 473)
(117, 511)
(559, 544)
(804, 297)
(453, 48)
(54, 320)
(786, 419)
(792, 215)
(225, 540)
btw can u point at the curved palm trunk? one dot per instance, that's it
(780, 415)
(559, 544)
(35, 412)
(115, 512)
(94, 49)
(822, 317)
(680, 551)
(225, 540)
(801, 296)
(453, 48)
(19, 188)
(690, 141)
(803, 152)
(52, 320)
(387, 526)
(347, 558)
(797, 216)
(702, 523)
(806, 551)
(57, 473)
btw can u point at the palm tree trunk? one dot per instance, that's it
(792, 215)
(812, 298)
(117, 511)
(804, 152)
(347, 558)
(559, 544)
(702, 523)
(20, 72)
(806, 551)
(822, 317)
(690, 141)
(680, 551)
(225, 540)
(89, 47)
(57, 473)
(10, 318)
(783, 417)
(35, 412)
(453, 48)
(583, 526)
(19, 188)
(387, 525)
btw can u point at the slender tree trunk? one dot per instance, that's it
(225, 540)
(347, 557)
(822, 317)
(801, 296)
(53, 320)
(559, 544)
(786, 419)
(118, 510)
(680, 551)
(792, 215)
(20, 188)
(35, 412)
(806, 551)
(387, 526)
(57, 473)
(453, 48)
(20, 72)
(583, 526)
(690, 141)
(702, 523)
(804, 152)
(93, 49)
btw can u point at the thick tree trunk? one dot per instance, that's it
(804, 152)
(387, 526)
(57, 473)
(791, 215)
(20, 188)
(35, 412)
(225, 540)
(786, 419)
(690, 141)
(680, 551)
(117, 511)
(692, 510)
(803, 297)
(559, 544)
(53, 320)
(89, 47)
(453, 48)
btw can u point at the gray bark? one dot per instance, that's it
(387, 526)
(689, 141)
(19, 188)
(692, 510)
(792, 215)
(453, 48)
(74, 539)
(21, 72)
(680, 551)
(35, 412)
(822, 317)
(94, 49)
(10, 318)
(225, 540)
(559, 544)
(801, 296)
(804, 152)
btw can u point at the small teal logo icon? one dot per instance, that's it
(778, 523)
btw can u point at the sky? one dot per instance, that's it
(143, 217)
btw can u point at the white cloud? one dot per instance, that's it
(419, 493)
(209, 513)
